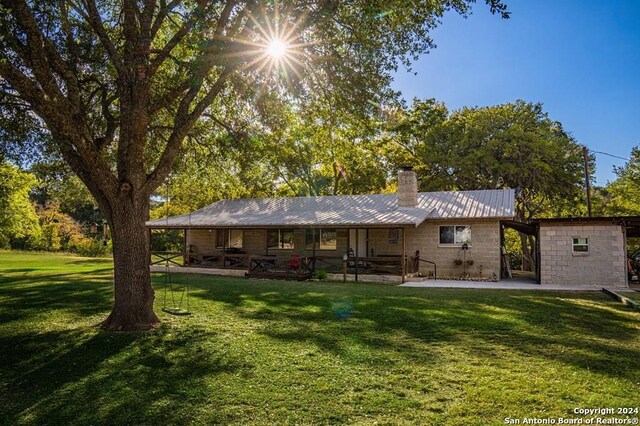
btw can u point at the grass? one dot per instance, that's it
(257, 352)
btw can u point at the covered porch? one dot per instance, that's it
(287, 253)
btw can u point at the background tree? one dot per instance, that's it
(325, 151)
(623, 194)
(18, 220)
(512, 145)
(120, 85)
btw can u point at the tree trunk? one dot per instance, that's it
(134, 296)
(528, 258)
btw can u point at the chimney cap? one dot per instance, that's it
(406, 168)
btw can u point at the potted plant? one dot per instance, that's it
(457, 261)
(469, 262)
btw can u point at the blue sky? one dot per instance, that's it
(580, 58)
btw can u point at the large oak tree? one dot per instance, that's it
(120, 84)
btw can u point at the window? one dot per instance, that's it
(325, 239)
(581, 245)
(229, 238)
(280, 239)
(455, 235)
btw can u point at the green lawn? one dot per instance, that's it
(257, 352)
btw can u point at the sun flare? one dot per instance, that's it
(277, 48)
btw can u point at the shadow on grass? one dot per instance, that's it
(125, 378)
(583, 330)
(15, 270)
(82, 294)
(91, 261)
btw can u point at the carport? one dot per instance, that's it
(530, 229)
(578, 250)
(585, 251)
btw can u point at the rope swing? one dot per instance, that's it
(177, 303)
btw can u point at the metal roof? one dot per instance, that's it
(346, 210)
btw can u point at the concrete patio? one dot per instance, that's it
(508, 284)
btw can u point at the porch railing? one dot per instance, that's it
(164, 257)
(381, 264)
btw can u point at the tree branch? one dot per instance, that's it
(97, 25)
(165, 9)
(38, 59)
(168, 97)
(177, 37)
(112, 123)
(183, 124)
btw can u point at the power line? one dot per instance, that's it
(610, 155)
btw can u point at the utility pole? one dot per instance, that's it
(587, 179)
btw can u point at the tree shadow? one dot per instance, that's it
(132, 378)
(583, 330)
(69, 291)
(92, 261)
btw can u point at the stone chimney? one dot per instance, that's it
(407, 187)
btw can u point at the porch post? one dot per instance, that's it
(403, 260)
(224, 246)
(346, 264)
(348, 240)
(357, 252)
(313, 247)
(185, 249)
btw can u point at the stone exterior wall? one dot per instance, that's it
(603, 265)
(484, 248)
(407, 188)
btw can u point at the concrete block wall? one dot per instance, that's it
(484, 248)
(378, 243)
(254, 241)
(602, 266)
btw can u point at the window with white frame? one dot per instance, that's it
(455, 235)
(580, 245)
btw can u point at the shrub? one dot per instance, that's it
(92, 248)
(320, 274)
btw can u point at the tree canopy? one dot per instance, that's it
(119, 87)
(623, 194)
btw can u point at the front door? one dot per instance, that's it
(361, 236)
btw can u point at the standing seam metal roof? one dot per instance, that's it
(344, 210)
